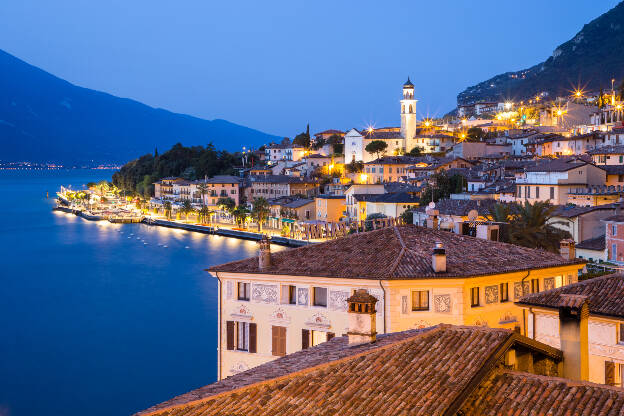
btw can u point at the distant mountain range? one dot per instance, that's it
(44, 118)
(590, 60)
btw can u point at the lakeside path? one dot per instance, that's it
(224, 230)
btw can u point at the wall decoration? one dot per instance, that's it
(518, 292)
(442, 303)
(318, 320)
(279, 315)
(239, 367)
(422, 324)
(508, 318)
(264, 293)
(491, 294)
(549, 283)
(229, 289)
(241, 312)
(404, 306)
(338, 300)
(481, 322)
(302, 296)
(379, 306)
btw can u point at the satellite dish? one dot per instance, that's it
(473, 214)
(431, 205)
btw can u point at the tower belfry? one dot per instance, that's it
(408, 111)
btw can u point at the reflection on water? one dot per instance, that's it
(100, 318)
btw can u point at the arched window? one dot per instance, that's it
(410, 109)
(402, 108)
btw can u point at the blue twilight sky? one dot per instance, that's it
(277, 65)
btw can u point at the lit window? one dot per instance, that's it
(420, 300)
(474, 296)
(504, 292)
(289, 294)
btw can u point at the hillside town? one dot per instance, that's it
(487, 243)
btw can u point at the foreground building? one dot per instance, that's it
(444, 370)
(280, 303)
(599, 307)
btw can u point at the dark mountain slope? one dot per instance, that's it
(590, 59)
(44, 118)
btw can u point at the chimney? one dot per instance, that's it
(264, 253)
(573, 333)
(432, 221)
(567, 249)
(362, 323)
(438, 259)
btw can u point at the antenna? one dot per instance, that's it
(473, 215)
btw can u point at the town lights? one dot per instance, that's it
(363, 177)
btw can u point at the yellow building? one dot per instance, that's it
(601, 324)
(279, 303)
(329, 208)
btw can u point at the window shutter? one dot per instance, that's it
(252, 337)
(330, 335)
(275, 340)
(610, 373)
(305, 339)
(230, 334)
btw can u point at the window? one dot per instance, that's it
(552, 192)
(621, 337)
(289, 294)
(614, 230)
(311, 338)
(504, 292)
(474, 296)
(534, 285)
(613, 252)
(320, 296)
(243, 290)
(528, 192)
(609, 373)
(278, 341)
(241, 336)
(420, 300)
(537, 192)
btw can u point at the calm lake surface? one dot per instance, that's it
(98, 318)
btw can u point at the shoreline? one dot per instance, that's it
(224, 232)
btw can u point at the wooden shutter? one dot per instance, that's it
(305, 339)
(610, 373)
(330, 335)
(275, 340)
(279, 340)
(253, 336)
(230, 334)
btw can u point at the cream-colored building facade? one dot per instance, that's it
(264, 315)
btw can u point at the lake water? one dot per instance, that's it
(98, 318)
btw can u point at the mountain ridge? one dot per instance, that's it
(589, 60)
(45, 118)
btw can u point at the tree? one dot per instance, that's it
(441, 186)
(226, 203)
(377, 147)
(528, 225)
(260, 211)
(203, 191)
(203, 216)
(355, 166)
(167, 207)
(187, 208)
(416, 151)
(303, 139)
(475, 134)
(370, 218)
(240, 213)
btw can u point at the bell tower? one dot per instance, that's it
(408, 111)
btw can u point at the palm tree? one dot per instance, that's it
(529, 224)
(187, 208)
(240, 213)
(227, 204)
(204, 214)
(203, 190)
(167, 207)
(260, 211)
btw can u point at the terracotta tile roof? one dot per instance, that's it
(461, 207)
(572, 211)
(402, 252)
(507, 392)
(555, 166)
(414, 372)
(604, 293)
(597, 243)
(608, 150)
